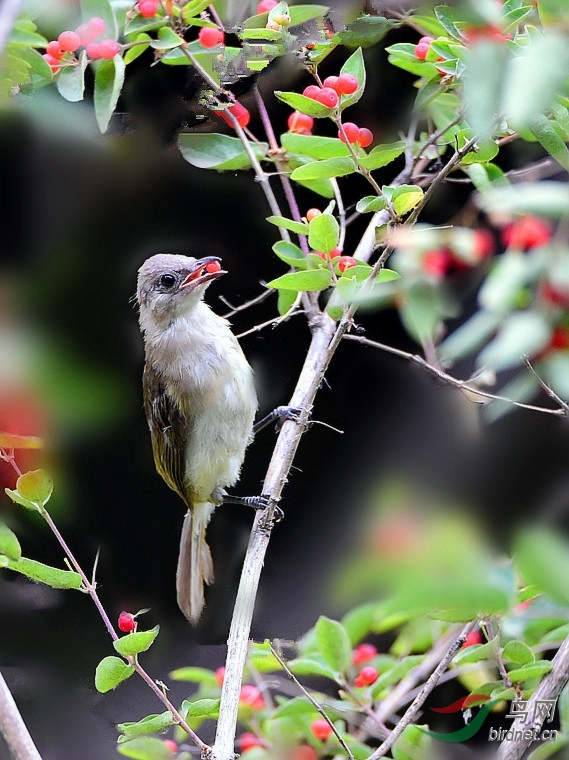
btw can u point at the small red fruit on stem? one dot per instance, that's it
(366, 137)
(108, 49)
(54, 49)
(251, 696)
(210, 36)
(220, 675)
(300, 123)
(363, 653)
(366, 676)
(312, 213)
(347, 84)
(526, 233)
(69, 42)
(321, 729)
(351, 132)
(438, 262)
(474, 637)
(248, 741)
(239, 112)
(171, 745)
(126, 622)
(330, 82)
(346, 262)
(147, 8)
(266, 5)
(328, 97)
(93, 50)
(311, 91)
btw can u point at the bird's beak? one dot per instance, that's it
(200, 275)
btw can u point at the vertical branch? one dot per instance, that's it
(13, 728)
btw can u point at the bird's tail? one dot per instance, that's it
(195, 566)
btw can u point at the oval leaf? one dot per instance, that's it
(195, 675)
(145, 748)
(71, 81)
(330, 167)
(289, 224)
(109, 80)
(110, 672)
(518, 652)
(405, 198)
(9, 544)
(303, 104)
(315, 279)
(382, 155)
(290, 254)
(136, 642)
(354, 65)
(323, 233)
(216, 151)
(314, 146)
(51, 576)
(35, 486)
(151, 724)
(333, 643)
(201, 708)
(527, 672)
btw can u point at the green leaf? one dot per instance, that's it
(475, 653)
(290, 254)
(333, 643)
(485, 63)
(371, 203)
(300, 14)
(382, 155)
(145, 748)
(312, 665)
(136, 642)
(51, 576)
(330, 167)
(315, 279)
(303, 104)
(413, 744)
(354, 65)
(71, 80)
(527, 672)
(422, 311)
(132, 53)
(543, 559)
(548, 138)
(314, 146)
(201, 708)
(110, 672)
(17, 499)
(366, 31)
(544, 198)
(104, 10)
(406, 197)
(286, 300)
(167, 39)
(195, 675)
(35, 486)
(447, 17)
(323, 233)
(216, 151)
(9, 544)
(470, 336)
(280, 221)
(109, 80)
(193, 9)
(294, 707)
(22, 35)
(521, 334)
(518, 652)
(151, 724)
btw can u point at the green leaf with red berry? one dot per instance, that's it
(216, 151)
(352, 80)
(136, 642)
(323, 233)
(305, 105)
(109, 80)
(313, 280)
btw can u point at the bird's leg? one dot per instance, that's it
(257, 502)
(278, 415)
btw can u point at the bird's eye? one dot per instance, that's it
(167, 281)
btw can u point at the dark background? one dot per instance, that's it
(79, 215)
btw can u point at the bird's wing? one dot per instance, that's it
(168, 430)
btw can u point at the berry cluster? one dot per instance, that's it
(355, 135)
(62, 51)
(332, 89)
(526, 233)
(422, 48)
(211, 36)
(343, 262)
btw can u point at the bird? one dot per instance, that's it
(200, 403)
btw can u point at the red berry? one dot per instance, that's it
(213, 266)
(366, 137)
(426, 40)
(93, 28)
(108, 49)
(366, 676)
(300, 123)
(126, 622)
(147, 8)
(553, 295)
(312, 213)
(363, 653)
(321, 729)
(311, 91)
(474, 637)
(352, 132)
(328, 97)
(528, 232)
(334, 253)
(474, 34)
(54, 49)
(304, 752)
(69, 41)
(239, 112)
(421, 50)
(483, 243)
(437, 262)
(266, 5)
(248, 741)
(220, 675)
(251, 696)
(345, 262)
(210, 36)
(347, 84)
(93, 50)
(560, 339)
(54, 63)
(171, 745)
(331, 82)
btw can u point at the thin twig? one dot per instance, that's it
(463, 385)
(415, 707)
(319, 709)
(13, 728)
(274, 322)
(550, 392)
(247, 305)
